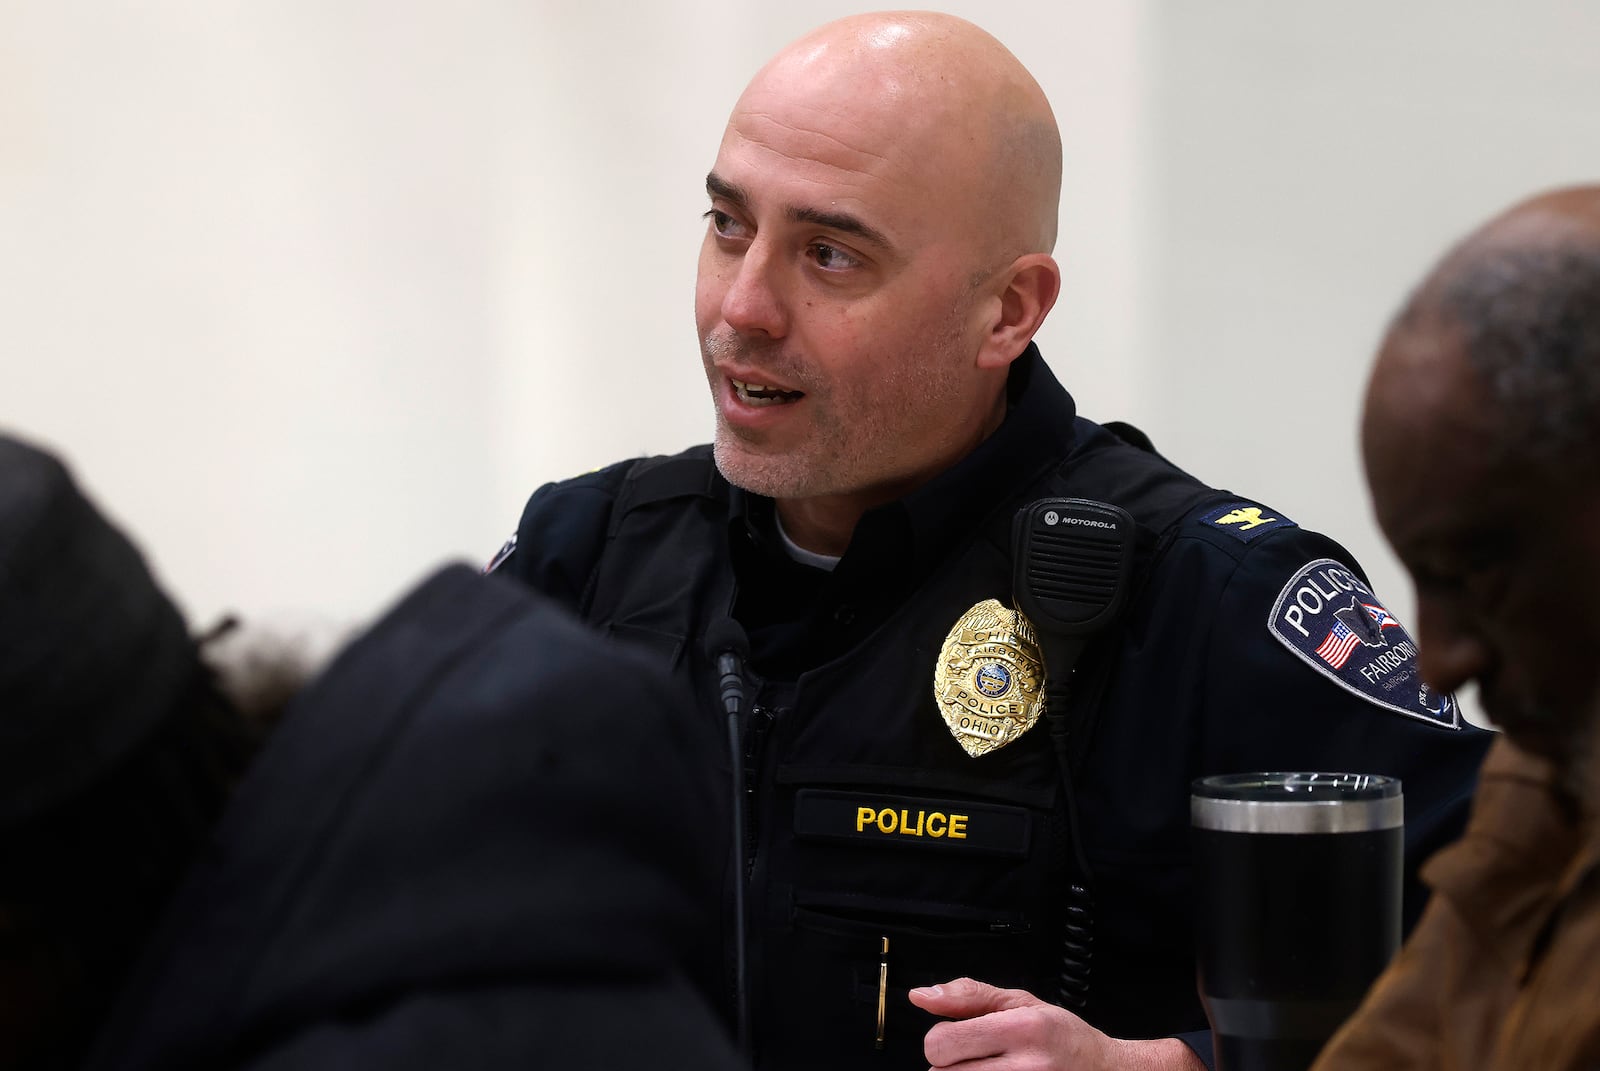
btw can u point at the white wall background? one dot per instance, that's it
(314, 293)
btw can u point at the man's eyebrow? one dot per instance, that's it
(843, 222)
(717, 186)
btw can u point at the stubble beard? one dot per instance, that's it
(739, 456)
(853, 444)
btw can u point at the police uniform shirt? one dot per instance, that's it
(1223, 660)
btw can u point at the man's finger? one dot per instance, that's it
(964, 998)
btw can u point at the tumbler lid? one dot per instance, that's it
(1297, 787)
(1297, 802)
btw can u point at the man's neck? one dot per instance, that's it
(824, 524)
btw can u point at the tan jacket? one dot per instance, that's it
(1503, 970)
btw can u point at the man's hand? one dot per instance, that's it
(1011, 1030)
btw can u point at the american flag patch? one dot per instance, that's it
(1335, 649)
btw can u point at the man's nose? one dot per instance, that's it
(1451, 651)
(753, 303)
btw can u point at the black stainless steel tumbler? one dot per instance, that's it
(1297, 882)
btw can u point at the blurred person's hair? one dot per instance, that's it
(117, 752)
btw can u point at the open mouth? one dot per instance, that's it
(758, 395)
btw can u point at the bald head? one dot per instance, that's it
(940, 98)
(876, 257)
(1519, 302)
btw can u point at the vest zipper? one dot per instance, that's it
(757, 727)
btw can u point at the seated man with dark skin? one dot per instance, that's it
(1482, 444)
(877, 258)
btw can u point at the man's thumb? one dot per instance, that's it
(964, 998)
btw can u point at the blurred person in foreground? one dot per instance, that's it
(117, 751)
(927, 838)
(482, 838)
(1481, 437)
(435, 860)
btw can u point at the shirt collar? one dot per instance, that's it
(1036, 433)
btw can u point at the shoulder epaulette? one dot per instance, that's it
(1242, 519)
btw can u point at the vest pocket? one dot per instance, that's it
(918, 920)
(833, 950)
(957, 882)
(660, 644)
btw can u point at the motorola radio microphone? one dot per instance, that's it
(1071, 564)
(1073, 560)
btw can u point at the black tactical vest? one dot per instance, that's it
(866, 821)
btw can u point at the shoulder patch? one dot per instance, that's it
(1328, 616)
(501, 555)
(1245, 520)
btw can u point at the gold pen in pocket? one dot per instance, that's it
(883, 990)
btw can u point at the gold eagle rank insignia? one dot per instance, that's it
(989, 681)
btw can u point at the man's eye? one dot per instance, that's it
(724, 224)
(832, 258)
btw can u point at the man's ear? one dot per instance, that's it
(1028, 289)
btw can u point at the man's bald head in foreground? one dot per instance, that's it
(1481, 436)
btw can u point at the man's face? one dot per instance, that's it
(1506, 559)
(838, 273)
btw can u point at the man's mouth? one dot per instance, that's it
(756, 394)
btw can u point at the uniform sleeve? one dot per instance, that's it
(558, 541)
(1305, 669)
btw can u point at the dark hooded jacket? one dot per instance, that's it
(479, 840)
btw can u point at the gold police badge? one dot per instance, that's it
(989, 682)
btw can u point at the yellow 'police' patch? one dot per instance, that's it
(912, 821)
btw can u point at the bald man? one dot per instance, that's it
(931, 876)
(1482, 443)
